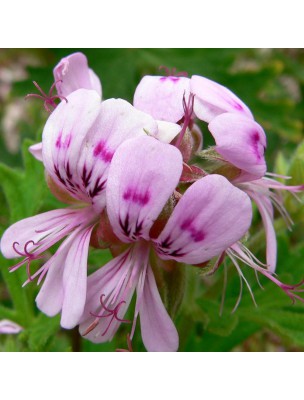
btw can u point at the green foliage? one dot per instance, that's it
(271, 82)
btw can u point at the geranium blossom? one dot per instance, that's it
(209, 217)
(240, 143)
(79, 141)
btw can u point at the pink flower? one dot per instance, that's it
(9, 328)
(79, 141)
(240, 144)
(70, 74)
(209, 217)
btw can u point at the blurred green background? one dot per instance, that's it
(271, 83)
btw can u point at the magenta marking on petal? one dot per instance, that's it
(236, 105)
(86, 176)
(103, 152)
(58, 141)
(63, 144)
(196, 235)
(257, 145)
(173, 79)
(98, 187)
(138, 198)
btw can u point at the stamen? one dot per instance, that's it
(188, 109)
(290, 290)
(49, 99)
(29, 257)
(111, 313)
(172, 71)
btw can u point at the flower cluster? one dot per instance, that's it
(137, 180)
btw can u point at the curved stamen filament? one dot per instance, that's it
(111, 313)
(29, 257)
(172, 71)
(188, 110)
(49, 99)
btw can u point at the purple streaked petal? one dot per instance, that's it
(38, 233)
(117, 122)
(240, 141)
(212, 99)
(162, 97)
(63, 139)
(75, 74)
(211, 216)
(9, 327)
(116, 282)
(36, 151)
(143, 174)
(157, 329)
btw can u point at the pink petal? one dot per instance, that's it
(38, 233)
(162, 96)
(50, 296)
(157, 329)
(117, 122)
(75, 279)
(63, 139)
(36, 151)
(263, 205)
(116, 281)
(8, 327)
(211, 216)
(143, 174)
(212, 99)
(240, 141)
(75, 74)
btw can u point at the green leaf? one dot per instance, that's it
(286, 323)
(41, 332)
(24, 190)
(222, 325)
(174, 282)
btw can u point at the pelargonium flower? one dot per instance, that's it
(78, 144)
(70, 74)
(238, 154)
(241, 143)
(208, 218)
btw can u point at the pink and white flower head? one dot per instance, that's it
(79, 141)
(209, 217)
(70, 74)
(240, 143)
